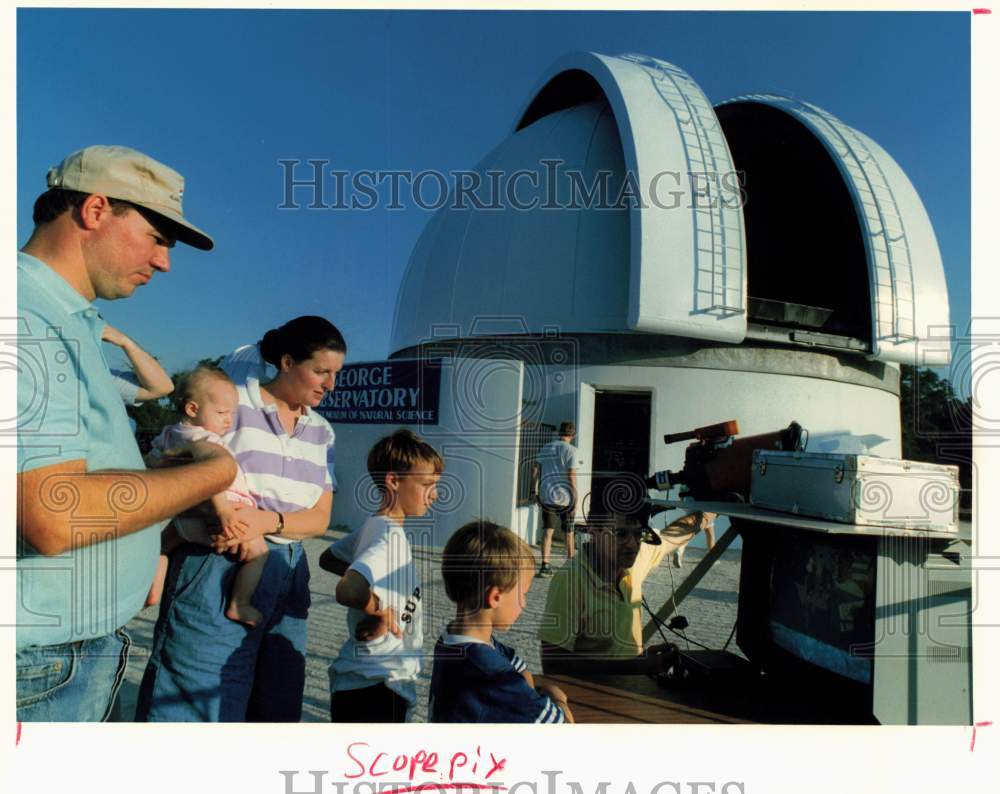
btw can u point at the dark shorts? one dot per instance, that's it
(371, 704)
(555, 516)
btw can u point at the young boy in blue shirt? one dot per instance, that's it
(487, 571)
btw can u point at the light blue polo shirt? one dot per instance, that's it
(68, 408)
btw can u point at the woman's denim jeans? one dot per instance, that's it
(205, 667)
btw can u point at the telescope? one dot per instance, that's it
(717, 465)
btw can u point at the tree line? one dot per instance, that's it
(937, 424)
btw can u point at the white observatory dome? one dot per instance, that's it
(565, 267)
(832, 248)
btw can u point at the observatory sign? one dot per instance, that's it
(385, 393)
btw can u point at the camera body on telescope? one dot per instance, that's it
(717, 466)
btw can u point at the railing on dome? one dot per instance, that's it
(892, 290)
(534, 436)
(717, 214)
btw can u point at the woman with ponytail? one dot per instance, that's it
(203, 666)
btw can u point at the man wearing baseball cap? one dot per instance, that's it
(89, 513)
(592, 620)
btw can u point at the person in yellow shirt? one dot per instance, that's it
(592, 623)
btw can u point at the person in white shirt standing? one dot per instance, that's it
(556, 491)
(373, 679)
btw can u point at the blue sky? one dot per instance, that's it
(224, 95)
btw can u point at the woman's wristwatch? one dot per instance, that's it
(280, 529)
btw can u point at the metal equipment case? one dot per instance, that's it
(857, 489)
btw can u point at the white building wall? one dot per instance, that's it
(840, 417)
(479, 412)
(481, 409)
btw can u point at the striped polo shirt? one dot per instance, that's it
(286, 473)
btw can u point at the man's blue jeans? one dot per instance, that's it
(73, 682)
(205, 667)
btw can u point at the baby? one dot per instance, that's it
(207, 398)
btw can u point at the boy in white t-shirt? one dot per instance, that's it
(373, 679)
(208, 401)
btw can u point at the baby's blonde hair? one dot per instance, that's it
(191, 385)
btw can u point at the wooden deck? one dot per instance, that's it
(744, 698)
(634, 699)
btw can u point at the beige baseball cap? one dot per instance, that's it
(122, 173)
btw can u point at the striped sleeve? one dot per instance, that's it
(551, 713)
(476, 682)
(510, 655)
(507, 697)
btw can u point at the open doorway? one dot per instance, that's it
(621, 437)
(807, 266)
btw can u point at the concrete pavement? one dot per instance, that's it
(710, 610)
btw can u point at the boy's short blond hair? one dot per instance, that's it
(481, 555)
(191, 385)
(398, 454)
